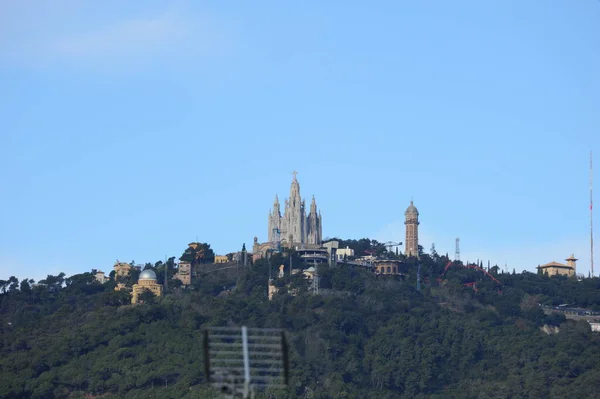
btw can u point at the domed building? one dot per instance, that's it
(146, 281)
(411, 242)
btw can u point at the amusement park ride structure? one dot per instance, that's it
(472, 284)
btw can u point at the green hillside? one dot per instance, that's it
(362, 337)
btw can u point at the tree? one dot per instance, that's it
(26, 286)
(13, 284)
(198, 253)
(434, 254)
(146, 297)
(362, 337)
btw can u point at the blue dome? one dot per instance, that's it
(147, 274)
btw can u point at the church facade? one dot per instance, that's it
(295, 228)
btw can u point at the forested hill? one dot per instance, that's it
(362, 337)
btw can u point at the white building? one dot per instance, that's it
(344, 253)
(101, 277)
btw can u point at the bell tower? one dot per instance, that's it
(411, 222)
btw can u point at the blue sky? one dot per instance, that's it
(128, 130)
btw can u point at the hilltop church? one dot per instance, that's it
(293, 229)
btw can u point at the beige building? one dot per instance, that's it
(121, 287)
(387, 266)
(221, 259)
(272, 289)
(259, 250)
(367, 259)
(555, 268)
(146, 282)
(344, 253)
(184, 273)
(101, 277)
(122, 269)
(411, 242)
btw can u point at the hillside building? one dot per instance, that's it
(344, 253)
(221, 259)
(146, 282)
(184, 273)
(272, 290)
(560, 269)
(101, 277)
(386, 267)
(122, 287)
(122, 269)
(411, 242)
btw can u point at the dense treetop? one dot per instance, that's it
(363, 336)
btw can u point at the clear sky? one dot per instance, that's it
(128, 129)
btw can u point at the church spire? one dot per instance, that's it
(276, 209)
(295, 199)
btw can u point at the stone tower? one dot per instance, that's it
(411, 243)
(572, 262)
(295, 228)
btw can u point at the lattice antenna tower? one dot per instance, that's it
(457, 250)
(591, 217)
(276, 244)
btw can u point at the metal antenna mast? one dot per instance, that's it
(457, 251)
(591, 218)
